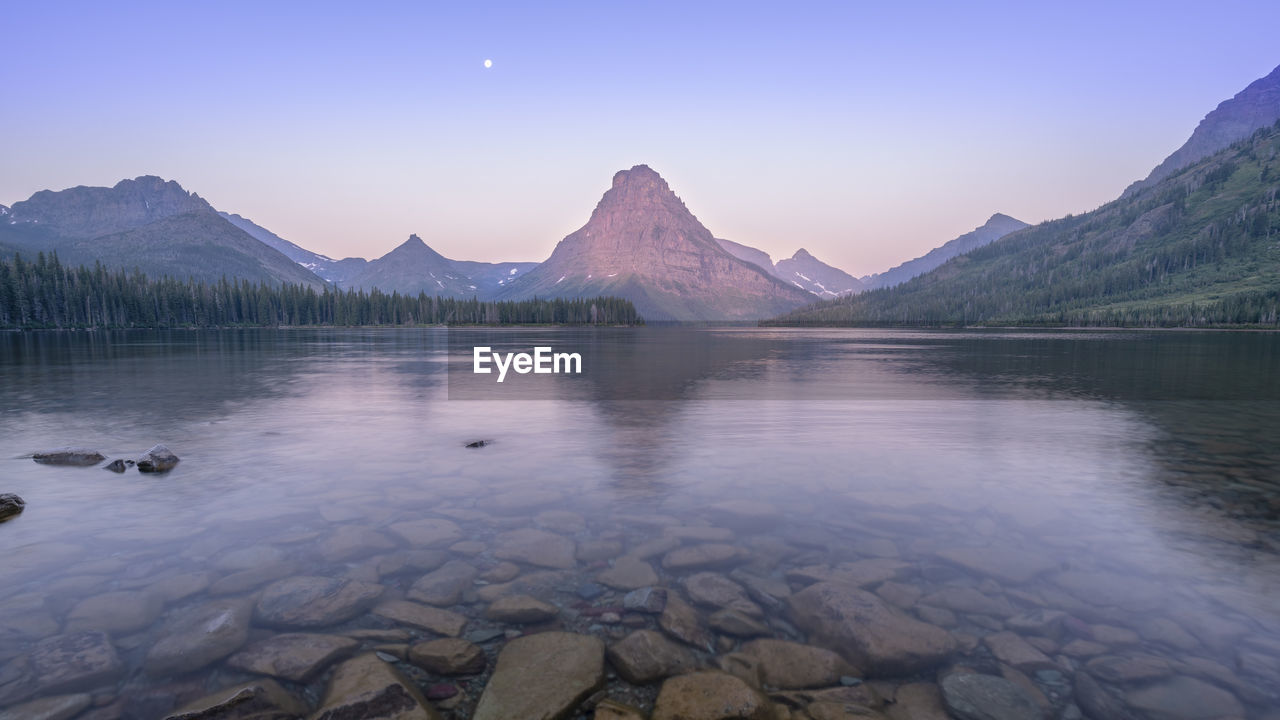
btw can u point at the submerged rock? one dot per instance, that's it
(871, 634)
(1184, 698)
(61, 707)
(521, 609)
(448, 656)
(542, 677)
(680, 620)
(158, 459)
(646, 600)
(792, 666)
(628, 573)
(970, 696)
(306, 601)
(11, 506)
(443, 622)
(116, 613)
(76, 457)
(366, 688)
(78, 661)
(297, 657)
(115, 466)
(710, 695)
(259, 698)
(696, 557)
(647, 656)
(444, 586)
(537, 547)
(199, 636)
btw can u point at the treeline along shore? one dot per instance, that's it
(45, 294)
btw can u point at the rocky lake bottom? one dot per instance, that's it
(329, 547)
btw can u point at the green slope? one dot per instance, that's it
(1200, 248)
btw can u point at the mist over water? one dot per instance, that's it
(1134, 472)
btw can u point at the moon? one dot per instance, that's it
(488, 63)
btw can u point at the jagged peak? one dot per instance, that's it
(802, 254)
(639, 174)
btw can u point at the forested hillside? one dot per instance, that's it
(1200, 248)
(47, 294)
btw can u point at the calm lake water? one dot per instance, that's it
(1091, 516)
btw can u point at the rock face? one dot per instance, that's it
(710, 696)
(297, 657)
(199, 636)
(644, 245)
(78, 457)
(307, 601)
(987, 697)
(158, 459)
(370, 689)
(868, 632)
(647, 656)
(1257, 106)
(542, 677)
(11, 506)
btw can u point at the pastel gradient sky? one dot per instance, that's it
(864, 133)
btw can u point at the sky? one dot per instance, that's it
(867, 133)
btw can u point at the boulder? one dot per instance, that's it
(296, 657)
(1010, 649)
(11, 506)
(732, 622)
(969, 696)
(366, 688)
(445, 585)
(521, 609)
(647, 656)
(792, 666)
(448, 656)
(918, 701)
(199, 636)
(542, 677)
(115, 466)
(305, 601)
(536, 547)
(158, 459)
(710, 695)
(868, 632)
(256, 699)
(76, 457)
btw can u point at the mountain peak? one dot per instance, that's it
(413, 240)
(639, 175)
(801, 254)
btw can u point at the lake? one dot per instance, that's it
(1085, 521)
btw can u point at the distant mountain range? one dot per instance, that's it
(641, 243)
(996, 227)
(1195, 232)
(145, 224)
(802, 270)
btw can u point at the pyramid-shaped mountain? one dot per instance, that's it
(644, 245)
